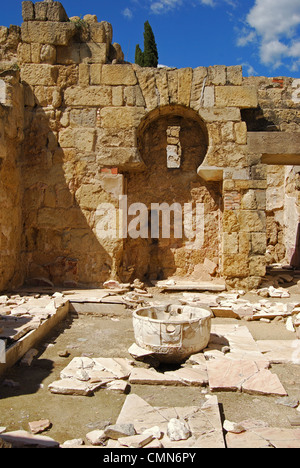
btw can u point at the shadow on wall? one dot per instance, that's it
(295, 260)
(61, 194)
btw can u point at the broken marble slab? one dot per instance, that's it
(207, 300)
(139, 353)
(84, 375)
(183, 285)
(74, 387)
(280, 351)
(17, 327)
(244, 376)
(203, 420)
(23, 439)
(142, 376)
(264, 437)
(117, 386)
(239, 340)
(192, 376)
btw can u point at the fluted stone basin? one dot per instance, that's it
(172, 332)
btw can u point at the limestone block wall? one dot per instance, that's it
(11, 135)
(278, 111)
(97, 128)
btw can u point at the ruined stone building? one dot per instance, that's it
(80, 128)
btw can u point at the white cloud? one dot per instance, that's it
(274, 24)
(162, 6)
(272, 53)
(127, 13)
(208, 2)
(249, 69)
(274, 18)
(246, 38)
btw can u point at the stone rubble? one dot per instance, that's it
(178, 430)
(233, 361)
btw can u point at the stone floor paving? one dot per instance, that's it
(204, 422)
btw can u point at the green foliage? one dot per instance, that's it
(150, 47)
(139, 56)
(148, 58)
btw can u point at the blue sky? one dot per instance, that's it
(261, 35)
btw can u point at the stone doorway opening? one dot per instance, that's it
(173, 143)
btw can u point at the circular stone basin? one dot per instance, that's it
(172, 332)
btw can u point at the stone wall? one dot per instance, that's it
(278, 111)
(97, 128)
(11, 135)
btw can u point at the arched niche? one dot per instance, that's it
(172, 143)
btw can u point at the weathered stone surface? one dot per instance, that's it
(118, 75)
(28, 13)
(96, 437)
(43, 32)
(37, 427)
(232, 96)
(39, 74)
(178, 430)
(93, 95)
(121, 117)
(117, 431)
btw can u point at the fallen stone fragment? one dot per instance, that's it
(154, 431)
(287, 401)
(28, 358)
(82, 375)
(96, 437)
(120, 367)
(73, 387)
(117, 386)
(117, 431)
(19, 439)
(72, 443)
(178, 430)
(230, 426)
(65, 353)
(136, 441)
(154, 444)
(294, 421)
(36, 427)
(138, 353)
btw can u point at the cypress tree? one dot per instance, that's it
(150, 47)
(139, 56)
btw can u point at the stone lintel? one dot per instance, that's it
(279, 148)
(210, 173)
